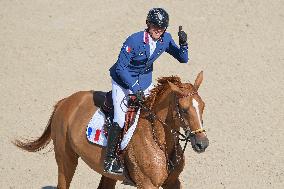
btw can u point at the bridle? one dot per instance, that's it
(186, 125)
(178, 136)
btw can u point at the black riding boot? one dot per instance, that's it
(112, 163)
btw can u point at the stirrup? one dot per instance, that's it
(113, 166)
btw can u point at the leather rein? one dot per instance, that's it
(178, 136)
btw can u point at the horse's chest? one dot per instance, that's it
(148, 163)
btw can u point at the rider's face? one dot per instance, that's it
(155, 31)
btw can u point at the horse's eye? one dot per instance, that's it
(183, 110)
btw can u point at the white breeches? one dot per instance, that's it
(118, 94)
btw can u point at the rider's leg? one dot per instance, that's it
(112, 163)
(118, 94)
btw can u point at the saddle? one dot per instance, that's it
(104, 101)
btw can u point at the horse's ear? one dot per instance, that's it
(198, 80)
(175, 88)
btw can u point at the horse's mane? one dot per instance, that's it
(161, 87)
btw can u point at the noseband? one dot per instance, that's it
(186, 126)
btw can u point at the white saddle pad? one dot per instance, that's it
(95, 131)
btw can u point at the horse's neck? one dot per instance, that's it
(163, 108)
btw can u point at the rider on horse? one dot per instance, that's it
(132, 73)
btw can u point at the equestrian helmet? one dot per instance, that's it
(158, 17)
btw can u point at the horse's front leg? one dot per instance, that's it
(106, 183)
(173, 184)
(173, 178)
(148, 177)
(145, 182)
(146, 186)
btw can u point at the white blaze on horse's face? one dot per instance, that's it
(195, 105)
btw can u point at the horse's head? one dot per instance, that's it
(189, 109)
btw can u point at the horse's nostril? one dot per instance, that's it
(197, 147)
(200, 146)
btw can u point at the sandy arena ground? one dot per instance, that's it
(51, 49)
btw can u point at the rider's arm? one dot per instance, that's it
(125, 56)
(181, 54)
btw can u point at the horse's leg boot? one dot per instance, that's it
(112, 163)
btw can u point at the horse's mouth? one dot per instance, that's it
(199, 149)
(200, 146)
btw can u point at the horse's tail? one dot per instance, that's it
(42, 141)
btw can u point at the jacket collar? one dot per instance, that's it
(146, 37)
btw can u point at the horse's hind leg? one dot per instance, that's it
(67, 161)
(107, 183)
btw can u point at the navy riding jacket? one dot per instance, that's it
(134, 67)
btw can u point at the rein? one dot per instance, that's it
(153, 117)
(181, 137)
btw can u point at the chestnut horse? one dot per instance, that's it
(154, 156)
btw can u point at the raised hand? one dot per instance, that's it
(182, 37)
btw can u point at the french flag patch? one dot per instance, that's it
(97, 135)
(128, 49)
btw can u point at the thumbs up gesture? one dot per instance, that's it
(182, 37)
